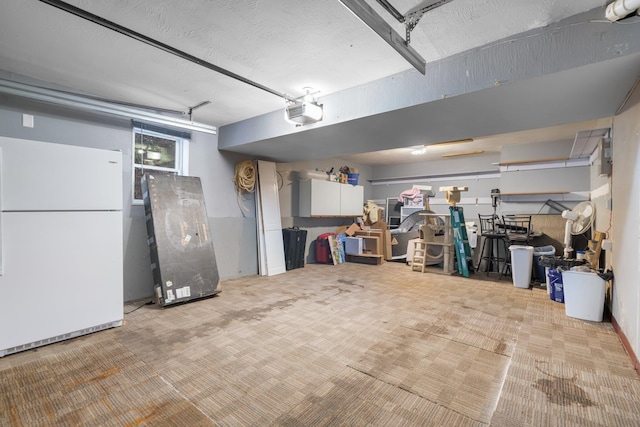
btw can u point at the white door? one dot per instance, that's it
(271, 245)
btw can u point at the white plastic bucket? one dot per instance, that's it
(521, 265)
(583, 295)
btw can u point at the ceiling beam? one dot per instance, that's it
(374, 21)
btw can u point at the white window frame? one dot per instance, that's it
(181, 161)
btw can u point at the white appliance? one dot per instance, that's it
(584, 294)
(579, 220)
(61, 256)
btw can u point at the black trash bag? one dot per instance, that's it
(606, 275)
(556, 261)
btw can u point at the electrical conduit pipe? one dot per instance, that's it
(621, 8)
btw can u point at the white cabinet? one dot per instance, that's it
(319, 198)
(328, 198)
(351, 199)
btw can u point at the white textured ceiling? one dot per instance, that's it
(284, 45)
(488, 144)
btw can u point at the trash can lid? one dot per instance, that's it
(520, 247)
(544, 250)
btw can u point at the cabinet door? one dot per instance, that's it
(319, 198)
(351, 199)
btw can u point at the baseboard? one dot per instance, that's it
(626, 345)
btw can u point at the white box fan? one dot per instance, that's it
(579, 220)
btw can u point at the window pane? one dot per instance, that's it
(138, 151)
(137, 189)
(153, 150)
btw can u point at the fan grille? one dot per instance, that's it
(586, 215)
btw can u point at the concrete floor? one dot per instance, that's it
(334, 345)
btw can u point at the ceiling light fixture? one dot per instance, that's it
(304, 110)
(466, 153)
(457, 141)
(419, 151)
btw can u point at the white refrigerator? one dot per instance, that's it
(61, 252)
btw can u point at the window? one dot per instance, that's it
(157, 150)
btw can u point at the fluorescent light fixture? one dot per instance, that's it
(457, 141)
(419, 151)
(303, 113)
(466, 153)
(67, 99)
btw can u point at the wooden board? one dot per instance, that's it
(365, 259)
(595, 245)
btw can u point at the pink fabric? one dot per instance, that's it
(410, 194)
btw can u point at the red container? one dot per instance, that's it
(323, 252)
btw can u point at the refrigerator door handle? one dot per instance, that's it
(1, 254)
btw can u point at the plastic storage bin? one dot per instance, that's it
(549, 251)
(556, 286)
(584, 294)
(521, 265)
(354, 245)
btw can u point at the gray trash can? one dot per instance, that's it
(521, 265)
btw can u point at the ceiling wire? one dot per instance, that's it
(159, 45)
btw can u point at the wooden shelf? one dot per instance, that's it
(531, 193)
(542, 196)
(527, 162)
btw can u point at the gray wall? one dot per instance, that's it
(438, 174)
(526, 178)
(234, 234)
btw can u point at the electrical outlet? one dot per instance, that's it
(27, 121)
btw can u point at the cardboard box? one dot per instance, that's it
(348, 230)
(388, 253)
(372, 241)
(384, 235)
